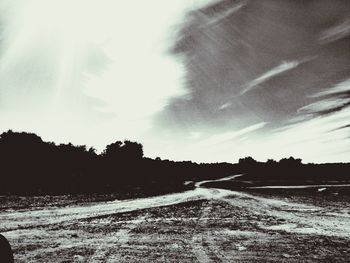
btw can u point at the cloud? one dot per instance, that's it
(336, 32)
(325, 106)
(281, 68)
(228, 136)
(343, 87)
(331, 100)
(225, 105)
(225, 14)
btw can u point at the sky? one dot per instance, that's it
(206, 80)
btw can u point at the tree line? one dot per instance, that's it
(31, 166)
(28, 165)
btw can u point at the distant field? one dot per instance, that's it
(200, 225)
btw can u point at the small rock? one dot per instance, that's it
(241, 248)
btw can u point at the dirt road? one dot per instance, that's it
(201, 225)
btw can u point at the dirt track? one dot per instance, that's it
(202, 225)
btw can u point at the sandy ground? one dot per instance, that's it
(201, 225)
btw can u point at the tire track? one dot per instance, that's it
(104, 253)
(210, 252)
(198, 249)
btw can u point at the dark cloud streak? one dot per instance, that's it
(226, 51)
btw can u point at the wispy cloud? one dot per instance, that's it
(331, 100)
(338, 89)
(229, 136)
(325, 106)
(220, 17)
(336, 32)
(225, 105)
(283, 67)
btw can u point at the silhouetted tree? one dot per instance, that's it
(271, 162)
(248, 162)
(28, 165)
(291, 161)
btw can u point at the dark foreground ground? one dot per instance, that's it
(200, 225)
